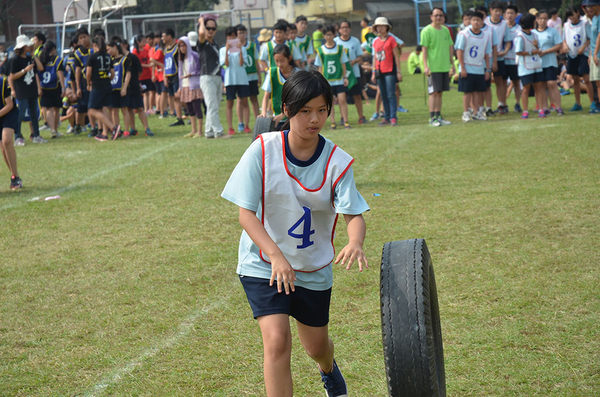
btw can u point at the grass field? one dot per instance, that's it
(127, 285)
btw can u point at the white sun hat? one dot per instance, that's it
(22, 41)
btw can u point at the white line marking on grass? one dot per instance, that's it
(183, 330)
(87, 180)
(391, 149)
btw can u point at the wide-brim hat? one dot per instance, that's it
(265, 35)
(193, 38)
(381, 21)
(23, 41)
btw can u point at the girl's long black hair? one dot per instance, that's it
(302, 87)
(45, 55)
(101, 43)
(137, 39)
(117, 41)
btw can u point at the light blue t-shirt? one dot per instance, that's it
(354, 51)
(510, 57)
(520, 47)
(309, 50)
(333, 50)
(266, 86)
(264, 52)
(244, 188)
(496, 28)
(548, 38)
(235, 74)
(495, 39)
(461, 43)
(595, 29)
(588, 33)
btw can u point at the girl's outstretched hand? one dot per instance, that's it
(350, 253)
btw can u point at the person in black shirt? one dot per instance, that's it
(121, 83)
(9, 116)
(99, 73)
(210, 76)
(136, 101)
(52, 81)
(26, 85)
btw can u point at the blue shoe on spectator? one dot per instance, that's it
(241, 127)
(148, 132)
(375, 116)
(518, 108)
(576, 108)
(594, 108)
(402, 110)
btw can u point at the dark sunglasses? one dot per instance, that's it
(213, 29)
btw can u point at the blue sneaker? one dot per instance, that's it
(241, 127)
(594, 108)
(402, 110)
(334, 382)
(564, 92)
(576, 108)
(148, 132)
(518, 108)
(375, 116)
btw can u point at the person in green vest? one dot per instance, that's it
(415, 61)
(38, 39)
(279, 37)
(254, 79)
(274, 81)
(304, 41)
(292, 33)
(331, 60)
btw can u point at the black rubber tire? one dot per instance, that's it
(263, 124)
(410, 321)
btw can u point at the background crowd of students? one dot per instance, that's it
(97, 80)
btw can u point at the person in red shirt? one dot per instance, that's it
(141, 49)
(157, 60)
(386, 69)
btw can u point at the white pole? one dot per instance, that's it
(62, 42)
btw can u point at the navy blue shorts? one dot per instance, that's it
(99, 98)
(239, 91)
(550, 73)
(472, 83)
(578, 66)
(337, 89)
(532, 78)
(149, 85)
(136, 101)
(9, 120)
(118, 101)
(51, 98)
(355, 90)
(307, 306)
(501, 71)
(253, 87)
(173, 84)
(512, 71)
(160, 87)
(82, 104)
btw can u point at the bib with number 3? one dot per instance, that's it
(301, 221)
